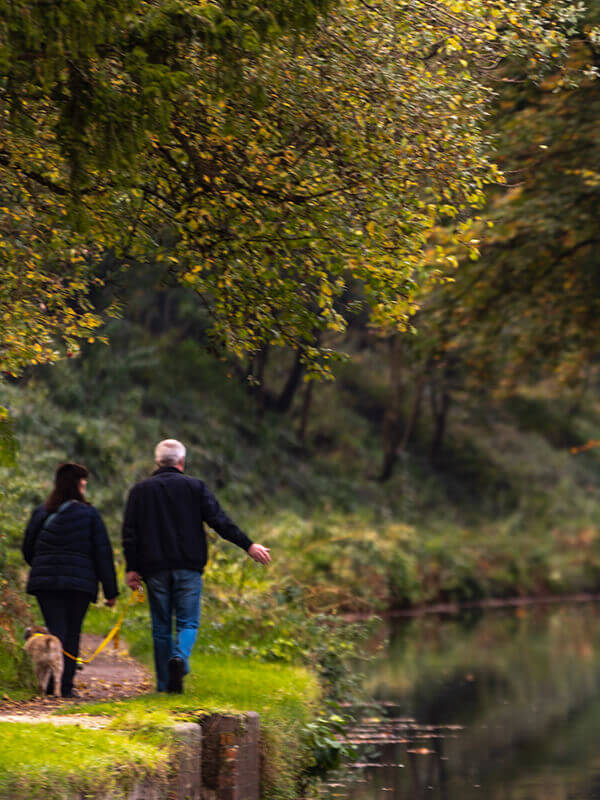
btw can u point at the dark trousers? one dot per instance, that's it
(63, 614)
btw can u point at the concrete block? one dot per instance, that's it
(187, 781)
(148, 789)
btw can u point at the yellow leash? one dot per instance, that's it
(136, 597)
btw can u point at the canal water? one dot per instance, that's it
(501, 705)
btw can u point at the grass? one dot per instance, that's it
(50, 762)
(286, 696)
(225, 684)
(16, 672)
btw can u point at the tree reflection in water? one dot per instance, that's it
(505, 706)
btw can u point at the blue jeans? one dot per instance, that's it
(173, 591)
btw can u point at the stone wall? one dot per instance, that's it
(217, 758)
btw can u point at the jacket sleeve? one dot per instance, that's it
(129, 534)
(213, 515)
(34, 526)
(103, 557)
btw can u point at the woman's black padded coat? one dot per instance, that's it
(70, 552)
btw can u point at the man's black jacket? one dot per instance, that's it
(69, 552)
(164, 523)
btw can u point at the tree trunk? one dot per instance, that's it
(259, 379)
(392, 423)
(305, 412)
(399, 436)
(284, 401)
(397, 433)
(415, 412)
(439, 408)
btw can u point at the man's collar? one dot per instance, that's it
(167, 469)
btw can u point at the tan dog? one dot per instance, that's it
(47, 654)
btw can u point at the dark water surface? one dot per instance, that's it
(501, 705)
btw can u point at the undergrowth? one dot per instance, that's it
(507, 510)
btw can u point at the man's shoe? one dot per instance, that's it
(176, 672)
(71, 694)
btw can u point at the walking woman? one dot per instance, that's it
(69, 551)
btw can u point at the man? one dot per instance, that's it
(164, 542)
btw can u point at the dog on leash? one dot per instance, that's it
(47, 654)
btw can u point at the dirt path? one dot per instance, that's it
(112, 675)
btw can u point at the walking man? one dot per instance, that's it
(164, 543)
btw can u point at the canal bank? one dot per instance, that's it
(230, 751)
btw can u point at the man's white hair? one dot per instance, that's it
(169, 453)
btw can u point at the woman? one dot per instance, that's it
(69, 551)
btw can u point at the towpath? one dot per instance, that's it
(113, 675)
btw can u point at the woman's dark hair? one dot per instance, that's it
(66, 486)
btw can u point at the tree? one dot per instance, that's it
(267, 175)
(85, 89)
(529, 307)
(332, 164)
(535, 295)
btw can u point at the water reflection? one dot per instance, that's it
(503, 705)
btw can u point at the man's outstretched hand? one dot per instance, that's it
(133, 580)
(260, 553)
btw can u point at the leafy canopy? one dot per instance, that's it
(84, 89)
(274, 157)
(529, 307)
(333, 161)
